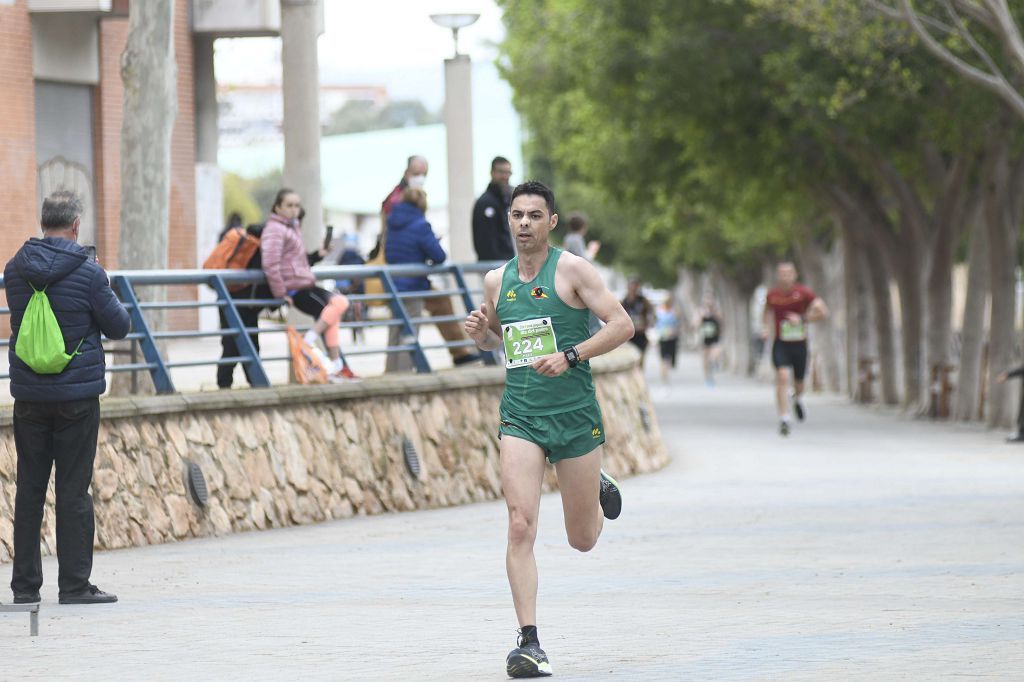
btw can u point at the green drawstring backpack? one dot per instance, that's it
(40, 342)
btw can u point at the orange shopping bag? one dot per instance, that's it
(307, 367)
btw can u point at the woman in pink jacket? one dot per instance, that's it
(289, 276)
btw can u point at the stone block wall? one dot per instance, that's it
(294, 455)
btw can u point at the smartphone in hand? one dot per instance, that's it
(328, 237)
(91, 251)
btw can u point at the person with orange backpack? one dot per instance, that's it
(238, 249)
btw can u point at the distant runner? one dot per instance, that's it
(709, 325)
(788, 309)
(537, 305)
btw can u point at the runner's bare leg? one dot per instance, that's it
(522, 474)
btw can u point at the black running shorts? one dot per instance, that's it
(791, 354)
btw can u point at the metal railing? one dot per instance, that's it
(146, 340)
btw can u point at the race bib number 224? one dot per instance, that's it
(527, 341)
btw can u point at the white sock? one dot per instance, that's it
(311, 337)
(337, 365)
(785, 418)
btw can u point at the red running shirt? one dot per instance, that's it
(796, 300)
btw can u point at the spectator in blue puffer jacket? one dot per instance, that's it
(410, 239)
(57, 416)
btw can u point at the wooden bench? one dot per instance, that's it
(33, 615)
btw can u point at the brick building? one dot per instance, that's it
(61, 109)
(60, 120)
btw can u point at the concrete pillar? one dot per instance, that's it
(209, 184)
(205, 99)
(301, 87)
(458, 121)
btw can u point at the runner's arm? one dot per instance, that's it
(482, 324)
(766, 322)
(817, 310)
(591, 289)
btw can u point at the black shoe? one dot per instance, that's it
(90, 595)
(466, 359)
(527, 660)
(783, 428)
(611, 497)
(1016, 438)
(26, 598)
(798, 408)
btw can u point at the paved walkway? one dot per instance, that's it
(864, 547)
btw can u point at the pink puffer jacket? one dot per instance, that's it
(284, 257)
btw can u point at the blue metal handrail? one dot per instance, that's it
(124, 283)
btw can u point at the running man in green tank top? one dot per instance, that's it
(537, 308)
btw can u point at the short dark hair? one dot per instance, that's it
(577, 221)
(536, 189)
(279, 197)
(60, 210)
(499, 160)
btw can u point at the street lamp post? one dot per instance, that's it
(458, 123)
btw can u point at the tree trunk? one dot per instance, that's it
(149, 75)
(908, 281)
(150, 105)
(735, 305)
(1003, 225)
(881, 301)
(855, 318)
(939, 329)
(972, 330)
(824, 346)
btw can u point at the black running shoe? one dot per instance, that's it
(611, 498)
(798, 408)
(89, 595)
(783, 428)
(527, 660)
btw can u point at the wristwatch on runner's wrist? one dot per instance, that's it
(572, 356)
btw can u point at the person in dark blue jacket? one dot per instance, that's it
(57, 416)
(410, 239)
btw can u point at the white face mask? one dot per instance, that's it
(417, 181)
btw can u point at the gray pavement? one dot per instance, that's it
(865, 546)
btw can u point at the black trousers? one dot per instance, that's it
(229, 344)
(61, 433)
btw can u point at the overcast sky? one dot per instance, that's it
(387, 42)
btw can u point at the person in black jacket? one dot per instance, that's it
(57, 416)
(492, 238)
(1001, 378)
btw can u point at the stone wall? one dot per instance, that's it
(293, 455)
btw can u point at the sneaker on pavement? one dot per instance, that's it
(90, 595)
(26, 598)
(783, 428)
(527, 660)
(611, 497)
(798, 408)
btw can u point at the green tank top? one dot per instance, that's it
(527, 392)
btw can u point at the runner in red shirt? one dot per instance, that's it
(791, 306)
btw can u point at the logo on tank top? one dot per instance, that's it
(510, 295)
(538, 292)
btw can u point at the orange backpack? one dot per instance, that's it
(233, 252)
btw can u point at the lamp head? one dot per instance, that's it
(454, 22)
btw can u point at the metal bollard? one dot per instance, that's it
(33, 615)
